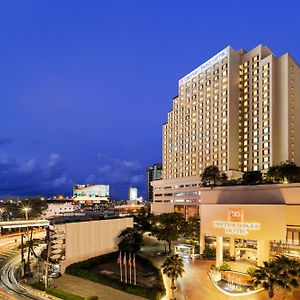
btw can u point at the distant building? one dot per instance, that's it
(153, 173)
(132, 193)
(60, 208)
(91, 193)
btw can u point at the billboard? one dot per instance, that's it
(91, 192)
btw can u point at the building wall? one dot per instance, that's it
(56, 209)
(239, 111)
(84, 240)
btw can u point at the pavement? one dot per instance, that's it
(85, 288)
(194, 285)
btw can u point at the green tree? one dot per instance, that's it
(190, 229)
(167, 227)
(173, 268)
(280, 272)
(252, 177)
(284, 171)
(212, 175)
(131, 240)
(142, 220)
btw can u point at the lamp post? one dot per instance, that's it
(26, 210)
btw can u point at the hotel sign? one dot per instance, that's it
(205, 66)
(235, 223)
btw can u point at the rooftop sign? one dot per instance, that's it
(205, 66)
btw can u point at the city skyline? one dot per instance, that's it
(85, 90)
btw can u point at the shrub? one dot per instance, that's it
(209, 252)
(225, 266)
(251, 270)
(213, 267)
(82, 269)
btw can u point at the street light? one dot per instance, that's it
(26, 210)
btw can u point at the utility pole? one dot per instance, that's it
(22, 255)
(48, 256)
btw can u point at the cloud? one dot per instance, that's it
(120, 174)
(32, 178)
(4, 140)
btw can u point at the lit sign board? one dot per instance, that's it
(235, 223)
(204, 66)
(236, 227)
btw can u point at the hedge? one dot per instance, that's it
(61, 294)
(82, 269)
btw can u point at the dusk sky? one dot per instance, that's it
(85, 86)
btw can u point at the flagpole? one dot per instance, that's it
(120, 262)
(130, 267)
(125, 267)
(134, 269)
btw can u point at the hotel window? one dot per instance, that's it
(266, 151)
(266, 66)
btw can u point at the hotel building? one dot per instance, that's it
(239, 111)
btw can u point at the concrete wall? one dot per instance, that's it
(84, 240)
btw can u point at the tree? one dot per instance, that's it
(131, 240)
(166, 227)
(142, 220)
(280, 272)
(190, 229)
(284, 171)
(173, 268)
(252, 177)
(212, 175)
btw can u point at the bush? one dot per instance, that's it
(225, 266)
(82, 269)
(213, 267)
(209, 252)
(251, 270)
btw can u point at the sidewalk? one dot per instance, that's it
(85, 288)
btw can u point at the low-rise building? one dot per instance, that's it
(81, 240)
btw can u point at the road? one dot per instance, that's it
(10, 260)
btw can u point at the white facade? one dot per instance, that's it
(60, 209)
(133, 193)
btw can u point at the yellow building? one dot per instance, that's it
(255, 221)
(239, 111)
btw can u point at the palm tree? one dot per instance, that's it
(290, 273)
(280, 272)
(173, 268)
(131, 240)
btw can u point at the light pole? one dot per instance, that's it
(26, 210)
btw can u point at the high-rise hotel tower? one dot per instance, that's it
(239, 111)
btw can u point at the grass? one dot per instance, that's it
(61, 294)
(83, 270)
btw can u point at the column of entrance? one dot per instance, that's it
(219, 251)
(263, 251)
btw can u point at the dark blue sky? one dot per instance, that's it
(86, 85)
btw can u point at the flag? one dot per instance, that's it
(119, 258)
(134, 260)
